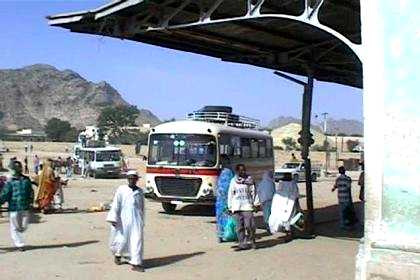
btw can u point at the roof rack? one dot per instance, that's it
(224, 118)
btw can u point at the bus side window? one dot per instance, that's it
(262, 148)
(269, 145)
(254, 148)
(225, 146)
(236, 144)
(246, 147)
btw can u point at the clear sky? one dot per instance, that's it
(167, 82)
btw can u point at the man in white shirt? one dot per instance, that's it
(241, 198)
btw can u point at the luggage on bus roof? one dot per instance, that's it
(224, 109)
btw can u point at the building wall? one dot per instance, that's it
(391, 247)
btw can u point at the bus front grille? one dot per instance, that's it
(172, 186)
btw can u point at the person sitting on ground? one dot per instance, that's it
(241, 199)
(345, 201)
(19, 195)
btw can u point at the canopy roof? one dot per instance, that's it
(317, 37)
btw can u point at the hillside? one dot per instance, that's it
(32, 95)
(292, 131)
(341, 126)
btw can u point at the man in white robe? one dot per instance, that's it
(127, 219)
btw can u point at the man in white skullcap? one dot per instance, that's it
(127, 222)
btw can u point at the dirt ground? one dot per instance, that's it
(73, 245)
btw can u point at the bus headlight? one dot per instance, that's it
(149, 189)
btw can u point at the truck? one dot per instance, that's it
(297, 169)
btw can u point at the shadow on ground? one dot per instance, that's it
(327, 223)
(37, 247)
(162, 261)
(168, 260)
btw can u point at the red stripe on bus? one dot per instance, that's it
(182, 171)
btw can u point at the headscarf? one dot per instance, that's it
(223, 182)
(47, 173)
(266, 188)
(289, 189)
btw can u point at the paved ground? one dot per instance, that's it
(73, 245)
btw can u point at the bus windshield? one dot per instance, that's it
(108, 155)
(182, 150)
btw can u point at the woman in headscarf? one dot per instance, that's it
(265, 190)
(221, 201)
(46, 186)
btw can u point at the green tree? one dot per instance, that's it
(351, 144)
(113, 120)
(71, 135)
(57, 129)
(290, 144)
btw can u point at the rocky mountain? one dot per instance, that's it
(32, 95)
(344, 126)
(341, 126)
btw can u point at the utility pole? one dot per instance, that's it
(327, 155)
(306, 141)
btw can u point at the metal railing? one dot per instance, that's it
(224, 118)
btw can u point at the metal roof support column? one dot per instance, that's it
(306, 141)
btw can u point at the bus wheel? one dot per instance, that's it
(296, 178)
(314, 177)
(168, 207)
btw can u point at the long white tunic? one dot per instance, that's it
(283, 206)
(127, 210)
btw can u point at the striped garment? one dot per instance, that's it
(343, 184)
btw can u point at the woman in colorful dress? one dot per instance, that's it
(221, 201)
(46, 187)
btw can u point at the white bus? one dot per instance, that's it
(103, 161)
(185, 159)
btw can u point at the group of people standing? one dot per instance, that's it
(238, 197)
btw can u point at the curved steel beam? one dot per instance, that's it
(355, 48)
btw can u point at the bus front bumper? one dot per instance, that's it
(202, 200)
